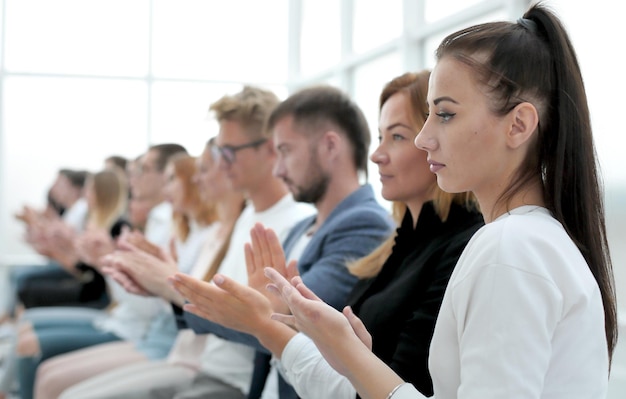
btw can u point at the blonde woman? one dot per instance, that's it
(402, 282)
(47, 331)
(192, 219)
(150, 274)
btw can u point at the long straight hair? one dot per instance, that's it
(533, 61)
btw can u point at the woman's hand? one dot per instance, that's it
(140, 272)
(334, 333)
(92, 245)
(226, 302)
(235, 306)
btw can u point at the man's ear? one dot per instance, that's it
(524, 122)
(332, 141)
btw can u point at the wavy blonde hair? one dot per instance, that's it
(110, 188)
(202, 212)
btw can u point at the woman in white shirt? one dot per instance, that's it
(530, 309)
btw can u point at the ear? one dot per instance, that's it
(330, 143)
(524, 122)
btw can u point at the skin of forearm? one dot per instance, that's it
(369, 375)
(174, 297)
(274, 336)
(162, 288)
(68, 261)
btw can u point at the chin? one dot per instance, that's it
(448, 186)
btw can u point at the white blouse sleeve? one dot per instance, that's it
(304, 367)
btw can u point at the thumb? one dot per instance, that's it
(229, 285)
(358, 327)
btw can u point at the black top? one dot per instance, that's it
(399, 306)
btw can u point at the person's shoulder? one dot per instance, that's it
(368, 213)
(162, 210)
(528, 226)
(528, 239)
(287, 205)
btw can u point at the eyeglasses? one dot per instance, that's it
(227, 152)
(145, 169)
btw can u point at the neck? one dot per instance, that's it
(265, 195)
(157, 200)
(71, 202)
(492, 207)
(229, 208)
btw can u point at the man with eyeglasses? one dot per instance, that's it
(321, 139)
(245, 151)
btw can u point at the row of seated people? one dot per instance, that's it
(289, 174)
(528, 311)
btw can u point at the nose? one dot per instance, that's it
(379, 156)
(424, 139)
(279, 169)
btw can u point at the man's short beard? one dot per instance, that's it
(315, 190)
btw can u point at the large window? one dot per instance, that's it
(84, 79)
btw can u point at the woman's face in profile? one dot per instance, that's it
(174, 189)
(402, 167)
(464, 139)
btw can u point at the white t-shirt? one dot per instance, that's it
(76, 215)
(229, 361)
(159, 225)
(189, 251)
(522, 317)
(132, 314)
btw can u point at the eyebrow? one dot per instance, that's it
(393, 126)
(445, 98)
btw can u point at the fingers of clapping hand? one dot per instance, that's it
(303, 289)
(358, 327)
(203, 297)
(260, 255)
(267, 248)
(285, 319)
(256, 278)
(125, 281)
(125, 244)
(276, 252)
(282, 288)
(291, 270)
(195, 291)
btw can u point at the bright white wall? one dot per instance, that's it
(595, 28)
(597, 32)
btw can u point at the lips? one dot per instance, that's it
(435, 166)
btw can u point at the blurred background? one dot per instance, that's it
(84, 79)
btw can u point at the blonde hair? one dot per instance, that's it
(251, 107)
(202, 212)
(216, 262)
(414, 86)
(110, 190)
